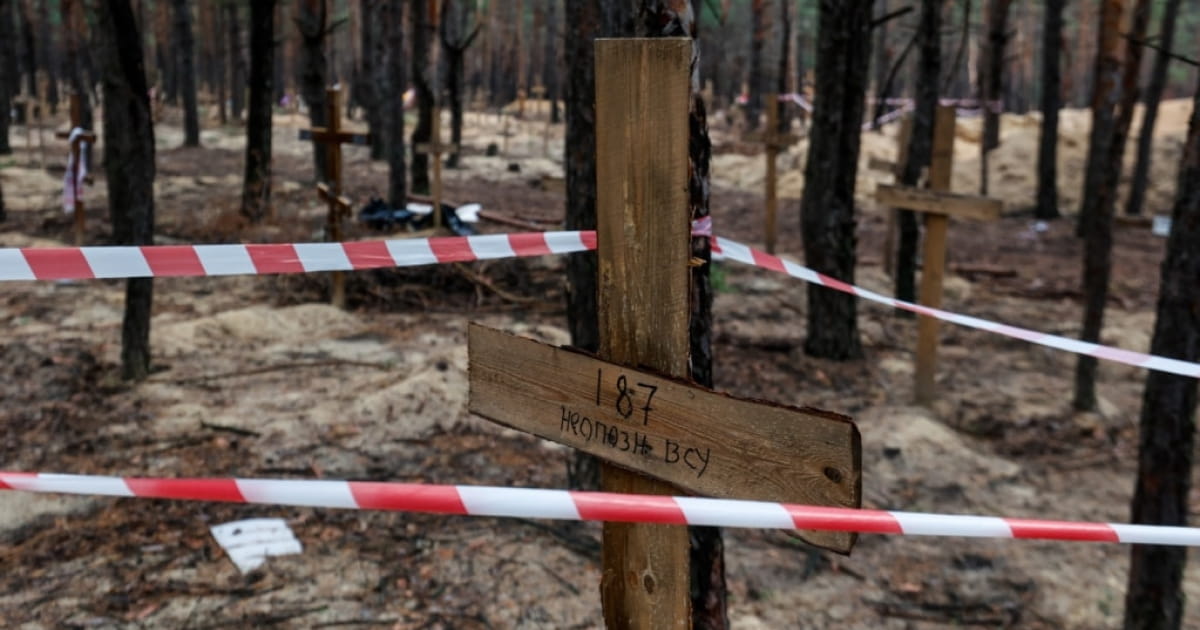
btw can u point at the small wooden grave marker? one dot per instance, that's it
(649, 420)
(435, 149)
(330, 191)
(775, 142)
(938, 206)
(76, 114)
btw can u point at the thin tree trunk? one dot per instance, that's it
(992, 83)
(422, 77)
(371, 72)
(221, 58)
(129, 167)
(1154, 91)
(237, 78)
(1103, 171)
(455, 41)
(883, 58)
(393, 117)
(784, 121)
(550, 69)
(47, 54)
(827, 206)
(75, 30)
(1154, 599)
(185, 47)
(311, 22)
(256, 187)
(920, 147)
(1052, 39)
(29, 51)
(7, 80)
(758, 39)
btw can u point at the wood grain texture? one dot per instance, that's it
(944, 203)
(643, 232)
(700, 440)
(934, 255)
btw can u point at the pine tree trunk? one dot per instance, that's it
(827, 206)
(784, 122)
(72, 13)
(185, 47)
(28, 49)
(221, 58)
(237, 78)
(758, 39)
(883, 61)
(1154, 599)
(1105, 155)
(550, 68)
(256, 187)
(129, 167)
(371, 71)
(992, 83)
(1154, 91)
(47, 54)
(920, 147)
(1052, 39)
(394, 116)
(7, 80)
(311, 22)
(423, 82)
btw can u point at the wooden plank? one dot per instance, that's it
(321, 134)
(643, 237)
(943, 203)
(700, 440)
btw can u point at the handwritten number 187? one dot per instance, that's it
(625, 394)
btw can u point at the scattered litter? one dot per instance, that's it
(249, 542)
(378, 215)
(1162, 225)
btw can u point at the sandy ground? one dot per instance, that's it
(257, 376)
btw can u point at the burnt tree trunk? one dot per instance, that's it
(7, 81)
(1052, 40)
(392, 89)
(1154, 91)
(1154, 598)
(583, 19)
(312, 22)
(237, 75)
(46, 52)
(784, 122)
(371, 72)
(758, 39)
(75, 30)
(991, 83)
(882, 62)
(422, 78)
(920, 147)
(256, 186)
(129, 168)
(827, 206)
(220, 58)
(1096, 216)
(550, 55)
(186, 49)
(28, 49)
(455, 42)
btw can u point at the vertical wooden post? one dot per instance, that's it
(643, 230)
(772, 154)
(41, 114)
(333, 175)
(933, 257)
(436, 153)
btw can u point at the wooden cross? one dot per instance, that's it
(539, 93)
(938, 206)
(76, 113)
(632, 405)
(435, 149)
(333, 137)
(774, 141)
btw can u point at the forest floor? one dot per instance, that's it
(259, 377)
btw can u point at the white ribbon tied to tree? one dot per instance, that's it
(74, 177)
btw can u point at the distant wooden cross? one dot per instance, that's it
(775, 142)
(938, 206)
(539, 93)
(76, 114)
(435, 149)
(332, 137)
(633, 405)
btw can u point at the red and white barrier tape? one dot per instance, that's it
(592, 506)
(62, 263)
(57, 263)
(736, 251)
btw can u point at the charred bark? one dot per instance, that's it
(920, 148)
(550, 69)
(256, 187)
(312, 20)
(423, 82)
(185, 48)
(28, 50)
(758, 39)
(1109, 132)
(784, 122)
(455, 42)
(1154, 91)
(991, 83)
(1052, 39)
(393, 116)
(827, 206)
(7, 78)
(237, 76)
(1154, 599)
(129, 168)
